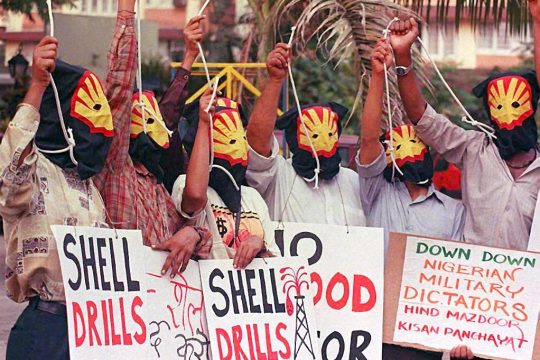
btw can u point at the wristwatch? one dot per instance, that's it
(403, 70)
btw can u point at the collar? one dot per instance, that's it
(431, 192)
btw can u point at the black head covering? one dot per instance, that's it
(511, 100)
(323, 122)
(229, 142)
(87, 116)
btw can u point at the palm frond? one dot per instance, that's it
(346, 31)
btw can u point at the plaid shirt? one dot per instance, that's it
(132, 196)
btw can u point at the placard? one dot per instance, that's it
(347, 269)
(439, 294)
(262, 312)
(119, 306)
(534, 239)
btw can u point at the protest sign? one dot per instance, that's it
(534, 239)
(118, 304)
(103, 275)
(346, 266)
(439, 294)
(175, 312)
(262, 312)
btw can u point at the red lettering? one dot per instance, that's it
(316, 279)
(237, 342)
(140, 338)
(116, 340)
(105, 322)
(361, 281)
(91, 310)
(260, 354)
(126, 337)
(270, 353)
(78, 315)
(250, 340)
(287, 353)
(340, 303)
(222, 334)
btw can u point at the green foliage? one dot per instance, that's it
(27, 6)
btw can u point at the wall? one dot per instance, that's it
(84, 40)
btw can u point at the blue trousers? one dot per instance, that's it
(39, 333)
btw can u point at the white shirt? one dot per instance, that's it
(219, 220)
(290, 198)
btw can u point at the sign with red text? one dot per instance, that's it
(120, 306)
(454, 293)
(534, 239)
(103, 273)
(347, 276)
(262, 312)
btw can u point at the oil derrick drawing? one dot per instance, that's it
(293, 282)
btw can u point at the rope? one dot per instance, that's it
(301, 116)
(155, 116)
(68, 132)
(201, 51)
(390, 143)
(211, 121)
(139, 68)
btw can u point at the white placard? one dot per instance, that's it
(455, 293)
(262, 312)
(534, 239)
(347, 275)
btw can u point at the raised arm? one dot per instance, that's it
(17, 153)
(370, 147)
(534, 7)
(194, 197)
(122, 59)
(261, 124)
(404, 34)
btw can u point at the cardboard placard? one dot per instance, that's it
(262, 312)
(118, 304)
(534, 239)
(347, 267)
(434, 300)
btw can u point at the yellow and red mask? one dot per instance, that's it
(230, 141)
(410, 154)
(322, 129)
(511, 100)
(153, 120)
(86, 115)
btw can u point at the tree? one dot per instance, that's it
(28, 6)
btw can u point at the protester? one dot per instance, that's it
(132, 190)
(501, 177)
(236, 215)
(297, 190)
(404, 199)
(40, 188)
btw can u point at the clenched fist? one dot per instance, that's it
(277, 61)
(44, 61)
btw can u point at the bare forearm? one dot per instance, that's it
(371, 120)
(413, 100)
(189, 59)
(194, 197)
(537, 49)
(126, 5)
(263, 118)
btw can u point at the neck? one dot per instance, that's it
(523, 157)
(416, 190)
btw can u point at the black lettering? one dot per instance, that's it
(69, 239)
(280, 241)
(118, 285)
(356, 350)
(215, 289)
(280, 307)
(318, 246)
(89, 262)
(250, 275)
(267, 308)
(133, 285)
(238, 292)
(341, 350)
(105, 285)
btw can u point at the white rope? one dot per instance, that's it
(201, 51)
(467, 118)
(68, 132)
(211, 122)
(139, 67)
(154, 116)
(301, 116)
(390, 143)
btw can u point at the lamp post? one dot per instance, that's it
(18, 65)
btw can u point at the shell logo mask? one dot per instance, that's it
(510, 101)
(152, 117)
(407, 146)
(230, 141)
(89, 104)
(322, 128)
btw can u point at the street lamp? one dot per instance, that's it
(18, 65)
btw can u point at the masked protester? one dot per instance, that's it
(396, 173)
(213, 192)
(313, 173)
(500, 177)
(47, 158)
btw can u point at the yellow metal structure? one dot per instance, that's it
(231, 76)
